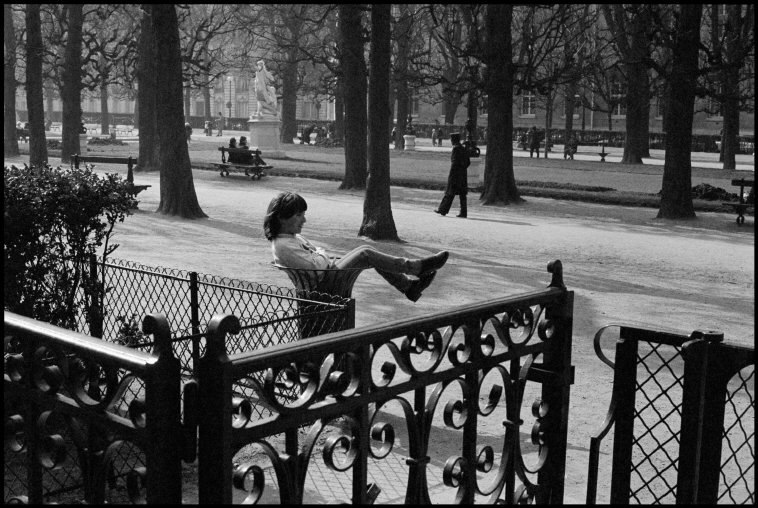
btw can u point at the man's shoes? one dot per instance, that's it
(433, 263)
(418, 286)
(437, 211)
(461, 215)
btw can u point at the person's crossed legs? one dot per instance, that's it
(396, 270)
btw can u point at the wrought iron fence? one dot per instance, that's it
(270, 315)
(392, 412)
(683, 410)
(80, 413)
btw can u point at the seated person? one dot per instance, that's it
(244, 158)
(233, 157)
(570, 148)
(282, 226)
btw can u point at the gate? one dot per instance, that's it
(683, 408)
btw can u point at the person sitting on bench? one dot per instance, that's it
(282, 226)
(243, 157)
(233, 157)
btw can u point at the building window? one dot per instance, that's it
(241, 107)
(528, 102)
(414, 105)
(660, 103)
(618, 96)
(199, 108)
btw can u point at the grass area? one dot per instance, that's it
(428, 170)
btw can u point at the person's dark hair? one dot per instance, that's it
(283, 206)
(233, 143)
(243, 140)
(455, 138)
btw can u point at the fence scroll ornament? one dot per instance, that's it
(88, 424)
(357, 392)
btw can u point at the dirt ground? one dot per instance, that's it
(624, 265)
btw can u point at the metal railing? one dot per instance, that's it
(80, 413)
(269, 314)
(683, 410)
(392, 412)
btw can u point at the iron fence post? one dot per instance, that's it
(95, 314)
(719, 363)
(162, 400)
(215, 399)
(194, 318)
(360, 467)
(624, 383)
(695, 354)
(556, 389)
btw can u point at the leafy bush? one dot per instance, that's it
(105, 141)
(54, 221)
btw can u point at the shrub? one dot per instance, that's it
(54, 221)
(106, 141)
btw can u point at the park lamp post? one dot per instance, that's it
(229, 102)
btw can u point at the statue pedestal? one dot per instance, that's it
(264, 135)
(475, 173)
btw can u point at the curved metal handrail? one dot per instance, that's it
(332, 281)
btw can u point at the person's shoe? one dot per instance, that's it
(418, 286)
(433, 263)
(461, 215)
(437, 211)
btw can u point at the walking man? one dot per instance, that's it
(457, 181)
(534, 142)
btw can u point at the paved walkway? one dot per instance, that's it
(624, 265)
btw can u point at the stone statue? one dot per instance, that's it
(265, 93)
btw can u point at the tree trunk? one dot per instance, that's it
(177, 186)
(402, 36)
(34, 100)
(549, 99)
(147, 120)
(676, 192)
(637, 140)
(71, 93)
(104, 117)
(730, 87)
(339, 111)
(207, 100)
(187, 102)
(10, 141)
(289, 102)
(570, 107)
(499, 179)
(354, 87)
(402, 113)
(378, 223)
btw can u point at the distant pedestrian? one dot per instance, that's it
(457, 181)
(534, 142)
(439, 137)
(570, 148)
(394, 136)
(188, 131)
(434, 137)
(220, 124)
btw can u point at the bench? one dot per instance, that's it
(742, 206)
(129, 161)
(22, 134)
(253, 170)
